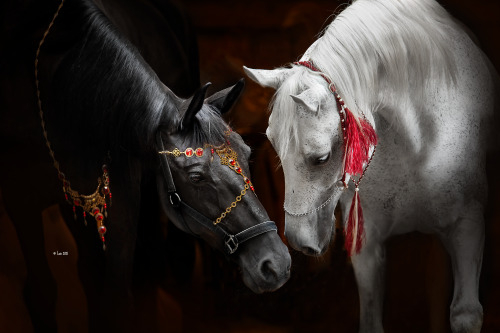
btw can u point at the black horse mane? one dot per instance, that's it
(109, 97)
(103, 91)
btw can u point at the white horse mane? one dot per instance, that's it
(378, 53)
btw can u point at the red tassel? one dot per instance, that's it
(354, 231)
(360, 138)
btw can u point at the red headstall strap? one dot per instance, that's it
(359, 137)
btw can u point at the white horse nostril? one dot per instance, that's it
(310, 251)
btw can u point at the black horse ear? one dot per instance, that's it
(224, 99)
(195, 104)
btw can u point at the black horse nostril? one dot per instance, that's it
(268, 271)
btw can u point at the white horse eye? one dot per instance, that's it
(322, 159)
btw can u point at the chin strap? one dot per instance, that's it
(231, 241)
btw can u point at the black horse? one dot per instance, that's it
(103, 103)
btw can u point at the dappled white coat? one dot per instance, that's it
(429, 92)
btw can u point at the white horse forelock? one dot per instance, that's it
(378, 53)
(284, 109)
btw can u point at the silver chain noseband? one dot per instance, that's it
(310, 211)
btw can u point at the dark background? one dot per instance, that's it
(321, 295)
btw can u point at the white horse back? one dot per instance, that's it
(430, 163)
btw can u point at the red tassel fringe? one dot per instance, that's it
(354, 231)
(360, 138)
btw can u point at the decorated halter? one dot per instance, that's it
(359, 138)
(95, 204)
(227, 157)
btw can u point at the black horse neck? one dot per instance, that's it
(103, 90)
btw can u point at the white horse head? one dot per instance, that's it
(311, 154)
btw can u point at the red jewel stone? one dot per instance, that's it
(96, 211)
(99, 217)
(105, 205)
(84, 214)
(105, 190)
(77, 202)
(251, 187)
(105, 168)
(66, 196)
(199, 152)
(212, 151)
(247, 180)
(189, 152)
(104, 246)
(238, 170)
(232, 162)
(102, 230)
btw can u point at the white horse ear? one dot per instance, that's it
(308, 99)
(267, 77)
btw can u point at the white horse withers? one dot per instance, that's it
(409, 70)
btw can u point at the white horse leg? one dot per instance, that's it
(464, 242)
(369, 269)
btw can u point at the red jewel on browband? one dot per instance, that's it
(189, 152)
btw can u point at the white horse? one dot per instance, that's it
(409, 71)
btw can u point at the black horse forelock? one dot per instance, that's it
(207, 128)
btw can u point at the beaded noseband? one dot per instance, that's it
(229, 158)
(311, 210)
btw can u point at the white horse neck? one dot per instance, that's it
(385, 53)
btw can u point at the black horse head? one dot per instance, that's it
(205, 188)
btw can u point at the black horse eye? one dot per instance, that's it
(322, 159)
(195, 177)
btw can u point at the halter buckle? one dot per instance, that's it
(231, 244)
(175, 199)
